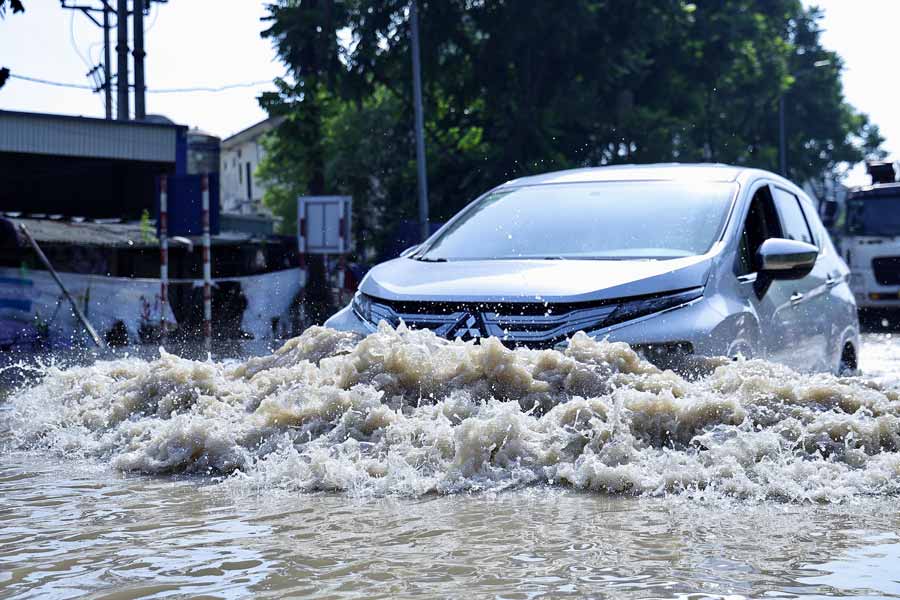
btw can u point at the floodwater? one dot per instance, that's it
(406, 466)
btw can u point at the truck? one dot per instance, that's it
(869, 240)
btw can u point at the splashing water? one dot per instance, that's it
(405, 412)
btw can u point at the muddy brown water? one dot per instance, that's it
(272, 478)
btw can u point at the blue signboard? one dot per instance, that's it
(186, 205)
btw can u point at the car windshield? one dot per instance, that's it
(874, 216)
(608, 220)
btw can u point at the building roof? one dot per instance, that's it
(655, 172)
(87, 233)
(85, 137)
(251, 133)
(102, 233)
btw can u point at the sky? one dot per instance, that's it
(212, 43)
(189, 43)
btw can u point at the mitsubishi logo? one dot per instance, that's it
(469, 327)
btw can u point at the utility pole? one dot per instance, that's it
(782, 127)
(782, 138)
(138, 55)
(424, 231)
(88, 10)
(122, 109)
(107, 70)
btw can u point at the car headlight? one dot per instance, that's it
(629, 310)
(372, 311)
(633, 309)
(362, 306)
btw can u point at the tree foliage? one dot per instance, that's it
(514, 88)
(16, 6)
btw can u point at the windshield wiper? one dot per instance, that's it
(426, 259)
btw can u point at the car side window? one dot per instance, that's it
(793, 222)
(819, 233)
(761, 224)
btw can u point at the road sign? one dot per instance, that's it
(323, 224)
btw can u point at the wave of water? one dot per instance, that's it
(405, 412)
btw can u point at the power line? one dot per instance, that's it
(76, 86)
(74, 42)
(185, 90)
(220, 88)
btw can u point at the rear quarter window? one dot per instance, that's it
(794, 225)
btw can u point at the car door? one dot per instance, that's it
(770, 299)
(829, 305)
(809, 295)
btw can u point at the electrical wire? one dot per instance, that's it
(220, 88)
(74, 42)
(76, 86)
(185, 90)
(155, 17)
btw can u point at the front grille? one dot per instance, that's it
(886, 270)
(533, 324)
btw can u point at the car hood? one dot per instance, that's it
(528, 280)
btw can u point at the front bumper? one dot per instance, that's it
(690, 327)
(869, 294)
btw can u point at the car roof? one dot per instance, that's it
(654, 172)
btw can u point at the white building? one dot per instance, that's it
(240, 190)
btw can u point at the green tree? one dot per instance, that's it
(306, 37)
(515, 88)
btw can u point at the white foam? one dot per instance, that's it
(405, 412)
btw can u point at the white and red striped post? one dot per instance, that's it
(207, 268)
(163, 254)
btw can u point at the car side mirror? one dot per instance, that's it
(779, 258)
(410, 250)
(828, 211)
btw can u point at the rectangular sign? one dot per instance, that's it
(323, 224)
(185, 205)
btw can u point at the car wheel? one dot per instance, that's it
(740, 350)
(847, 366)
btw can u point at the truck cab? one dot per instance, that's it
(870, 243)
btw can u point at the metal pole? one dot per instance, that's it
(420, 121)
(75, 308)
(782, 141)
(207, 270)
(138, 55)
(163, 255)
(122, 109)
(107, 66)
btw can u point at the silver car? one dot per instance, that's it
(676, 260)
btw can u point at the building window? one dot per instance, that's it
(249, 183)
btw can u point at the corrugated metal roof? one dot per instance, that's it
(119, 235)
(88, 233)
(59, 135)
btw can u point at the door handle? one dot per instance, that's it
(796, 298)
